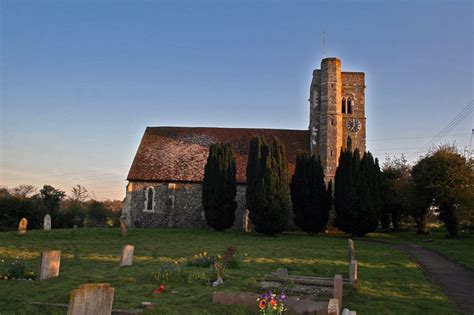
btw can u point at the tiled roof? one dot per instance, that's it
(179, 154)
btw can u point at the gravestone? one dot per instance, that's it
(93, 298)
(333, 307)
(337, 291)
(22, 226)
(351, 250)
(247, 224)
(126, 256)
(353, 279)
(49, 264)
(47, 222)
(282, 272)
(348, 312)
(123, 228)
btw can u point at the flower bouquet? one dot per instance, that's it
(271, 304)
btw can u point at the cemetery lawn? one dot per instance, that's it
(389, 282)
(458, 249)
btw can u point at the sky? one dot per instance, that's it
(81, 80)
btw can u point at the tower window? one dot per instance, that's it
(349, 143)
(332, 122)
(343, 105)
(349, 106)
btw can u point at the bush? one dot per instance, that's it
(12, 209)
(74, 214)
(96, 213)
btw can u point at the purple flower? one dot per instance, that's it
(282, 297)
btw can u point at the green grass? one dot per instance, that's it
(458, 249)
(389, 282)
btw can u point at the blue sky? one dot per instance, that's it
(80, 80)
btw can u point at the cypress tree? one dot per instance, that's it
(358, 193)
(219, 187)
(267, 186)
(310, 198)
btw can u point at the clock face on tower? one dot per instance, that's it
(353, 125)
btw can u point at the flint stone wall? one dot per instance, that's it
(176, 205)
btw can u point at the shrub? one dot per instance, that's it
(96, 213)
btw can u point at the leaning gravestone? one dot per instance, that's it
(93, 298)
(351, 250)
(49, 264)
(47, 222)
(123, 228)
(126, 256)
(22, 226)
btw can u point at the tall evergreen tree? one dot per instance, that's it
(219, 187)
(267, 191)
(310, 198)
(358, 195)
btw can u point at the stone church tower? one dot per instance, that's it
(337, 113)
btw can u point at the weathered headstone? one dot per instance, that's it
(337, 291)
(351, 250)
(348, 312)
(126, 256)
(22, 226)
(94, 298)
(333, 307)
(47, 222)
(247, 223)
(49, 264)
(353, 279)
(282, 272)
(123, 228)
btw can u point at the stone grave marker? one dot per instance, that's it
(126, 256)
(353, 274)
(351, 250)
(47, 222)
(92, 298)
(282, 272)
(333, 307)
(123, 228)
(348, 312)
(49, 264)
(337, 292)
(22, 226)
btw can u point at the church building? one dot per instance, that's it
(165, 179)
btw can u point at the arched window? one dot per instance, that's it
(349, 106)
(349, 143)
(150, 199)
(343, 105)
